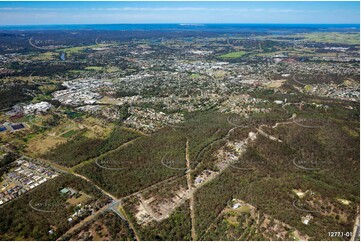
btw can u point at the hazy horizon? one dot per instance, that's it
(61, 13)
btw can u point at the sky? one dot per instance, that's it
(45, 13)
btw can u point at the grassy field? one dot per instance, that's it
(81, 199)
(70, 133)
(78, 49)
(74, 50)
(195, 75)
(68, 129)
(41, 144)
(342, 38)
(112, 69)
(328, 37)
(93, 68)
(76, 71)
(232, 55)
(47, 56)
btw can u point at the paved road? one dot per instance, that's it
(294, 79)
(113, 206)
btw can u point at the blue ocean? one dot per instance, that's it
(194, 27)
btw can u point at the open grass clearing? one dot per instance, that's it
(232, 55)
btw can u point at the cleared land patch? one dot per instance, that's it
(232, 55)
